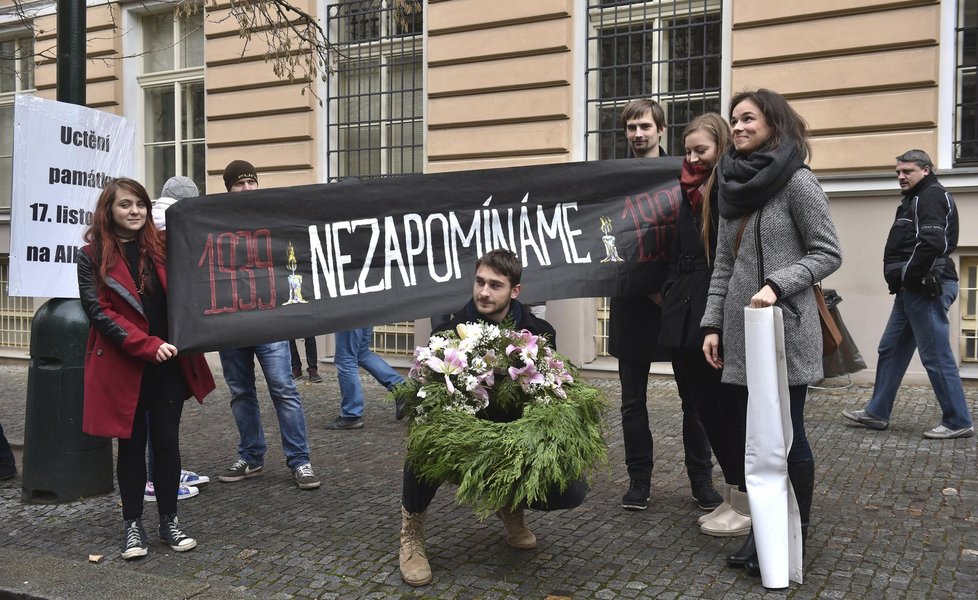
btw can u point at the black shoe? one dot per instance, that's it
(706, 497)
(8, 471)
(637, 496)
(747, 553)
(135, 545)
(344, 423)
(399, 408)
(753, 567)
(171, 535)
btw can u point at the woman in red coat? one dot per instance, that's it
(130, 368)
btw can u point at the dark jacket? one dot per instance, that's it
(684, 293)
(119, 348)
(923, 235)
(519, 314)
(634, 321)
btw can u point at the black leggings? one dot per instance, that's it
(723, 415)
(164, 423)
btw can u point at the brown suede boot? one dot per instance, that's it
(518, 535)
(415, 569)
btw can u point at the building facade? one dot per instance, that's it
(469, 84)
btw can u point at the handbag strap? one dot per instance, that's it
(740, 234)
(760, 251)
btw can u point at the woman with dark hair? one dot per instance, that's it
(703, 395)
(772, 208)
(130, 368)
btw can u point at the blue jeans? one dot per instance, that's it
(352, 352)
(239, 373)
(919, 322)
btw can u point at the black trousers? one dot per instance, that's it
(7, 463)
(719, 415)
(634, 378)
(312, 356)
(417, 494)
(164, 403)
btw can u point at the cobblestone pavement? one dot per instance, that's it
(894, 516)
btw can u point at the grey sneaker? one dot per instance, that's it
(866, 420)
(943, 433)
(305, 478)
(345, 423)
(241, 469)
(135, 545)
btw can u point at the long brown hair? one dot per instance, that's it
(107, 246)
(717, 128)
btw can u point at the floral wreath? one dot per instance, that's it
(499, 413)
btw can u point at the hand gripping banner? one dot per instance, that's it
(773, 508)
(266, 265)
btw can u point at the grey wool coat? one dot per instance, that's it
(799, 248)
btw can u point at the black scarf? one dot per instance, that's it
(748, 182)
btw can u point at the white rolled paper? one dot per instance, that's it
(773, 508)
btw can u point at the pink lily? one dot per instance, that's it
(453, 364)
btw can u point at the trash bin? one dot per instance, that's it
(847, 358)
(61, 463)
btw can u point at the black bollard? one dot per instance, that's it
(61, 463)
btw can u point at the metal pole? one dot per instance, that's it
(71, 51)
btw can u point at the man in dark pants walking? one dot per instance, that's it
(633, 329)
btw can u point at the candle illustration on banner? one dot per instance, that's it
(610, 250)
(295, 281)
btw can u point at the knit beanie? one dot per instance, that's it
(238, 170)
(179, 187)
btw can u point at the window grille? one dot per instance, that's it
(16, 76)
(969, 309)
(16, 314)
(172, 84)
(966, 101)
(668, 51)
(376, 100)
(376, 108)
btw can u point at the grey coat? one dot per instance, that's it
(800, 248)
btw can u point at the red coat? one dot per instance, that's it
(119, 346)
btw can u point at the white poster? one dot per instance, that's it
(63, 156)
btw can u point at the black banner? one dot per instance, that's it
(277, 264)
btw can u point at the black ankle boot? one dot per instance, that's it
(802, 476)
(747, 552)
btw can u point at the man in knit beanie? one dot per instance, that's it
(239, 373)
(240, 176)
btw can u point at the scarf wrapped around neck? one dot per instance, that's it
(748, 182)
(691, 180)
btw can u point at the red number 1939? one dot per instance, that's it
(239, 288)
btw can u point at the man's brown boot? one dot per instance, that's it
(518, 535)
(415, 569)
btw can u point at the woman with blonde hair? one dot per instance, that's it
(704, 397)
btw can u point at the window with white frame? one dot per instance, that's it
(16, 77)
(668, 51)
(966, 86)
(171, 82)
(376, 107)
(969, 309)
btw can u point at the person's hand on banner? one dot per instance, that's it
(711, 350)
(764, 298)
(165, 352)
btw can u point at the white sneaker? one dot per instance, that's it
(943, 433)
(193, 479)
(183, 492)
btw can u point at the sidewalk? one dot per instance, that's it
(894, 516)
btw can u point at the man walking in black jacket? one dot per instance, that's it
(919, 271)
